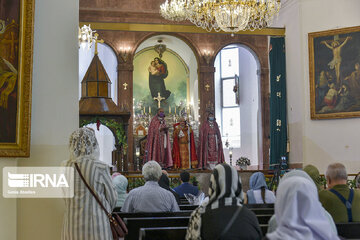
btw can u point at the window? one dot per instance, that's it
(228, 109)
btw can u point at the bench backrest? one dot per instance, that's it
(163, 233)
(349, 230)
(154, 214)
(134, 224)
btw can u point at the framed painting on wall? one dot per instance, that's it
(334, 67)
(16, 51)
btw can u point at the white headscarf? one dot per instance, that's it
(83, 144)
(299, 213)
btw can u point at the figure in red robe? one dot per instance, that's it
(184, 153)
(158, 142)
(210, 149)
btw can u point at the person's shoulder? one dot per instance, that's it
(101, 165)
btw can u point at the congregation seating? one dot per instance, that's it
(349, 230)
(134, 224)
(172, 225)
(163, 233)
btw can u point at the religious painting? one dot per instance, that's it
(16, 47)
(334, 64)
(159, 81)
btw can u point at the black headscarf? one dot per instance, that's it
(164, 183)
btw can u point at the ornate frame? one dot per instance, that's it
(312, 72)
(21, 146)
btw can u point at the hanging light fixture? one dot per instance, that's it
(225, 15)
(86, 36)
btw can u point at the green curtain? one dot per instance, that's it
(278, 110)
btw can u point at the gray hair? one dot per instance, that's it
(151, 171)
(336, 171)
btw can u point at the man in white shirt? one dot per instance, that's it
(150, 197)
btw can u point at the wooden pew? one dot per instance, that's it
(349, 230)
(173, 233)
(261, 211)
(252, 206)
(134, 224)
(188, 207)
(163, 233)
(154, 214)
(264, 219)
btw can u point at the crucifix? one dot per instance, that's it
(96, 35)
(159, 99)
(207, 86)
(125, 86)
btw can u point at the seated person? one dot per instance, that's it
(337, 197)
(165, 184)
(223, 216)
(314, 173)
(186, 187)
(120, 184)
(298, 212)
(150, 197)
(300, 173)
(259, 193)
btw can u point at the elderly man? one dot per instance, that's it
(341, 202)
(150, 197)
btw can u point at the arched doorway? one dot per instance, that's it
(238, 102)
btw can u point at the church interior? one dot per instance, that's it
(283, 96)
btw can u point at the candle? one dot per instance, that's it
(144, 110)
(149, 110)
(175, 110)
(169, 110)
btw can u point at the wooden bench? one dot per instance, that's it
(264, 219)
(174, 233)
(253, 206)
(163, 233)
(261, 211)
(349, 230)
(154, 214)
(134, 224)
(188, 207)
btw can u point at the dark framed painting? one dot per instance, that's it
(16, 53)
(334, 67)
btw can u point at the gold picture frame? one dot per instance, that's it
(16, 63)
(334, 73)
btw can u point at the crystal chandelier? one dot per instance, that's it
(226, 15)
(86, 36)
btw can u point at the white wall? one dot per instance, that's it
(317, 142)
(54, 110)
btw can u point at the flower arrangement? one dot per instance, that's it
(243, 161)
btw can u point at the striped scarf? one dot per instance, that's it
(225, 190)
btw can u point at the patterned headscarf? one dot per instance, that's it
(225, 190)
(83, 143)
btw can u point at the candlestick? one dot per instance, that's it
(149, 110)
(175, 110)
(144, 110)
(169, 110)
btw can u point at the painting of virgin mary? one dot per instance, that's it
(157, 73)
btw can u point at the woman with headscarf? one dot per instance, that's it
(223, 216)
(300, 174)
(259, 193)
(120, 184)
(299, 213)
(165, 183)
(314, 173)
(84, 218)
